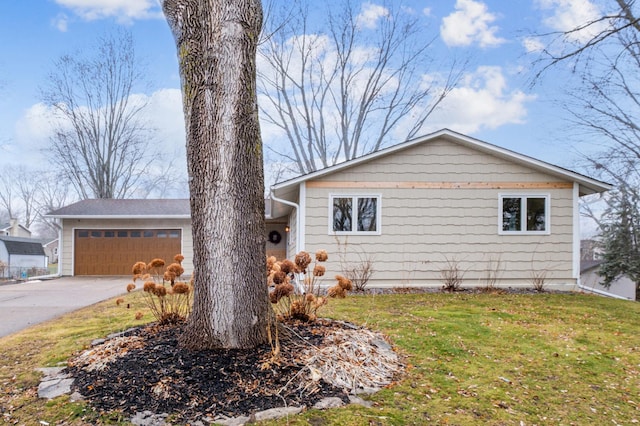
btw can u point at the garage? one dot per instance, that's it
(114, 251)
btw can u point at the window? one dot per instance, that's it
(524, 214)
(354, 214)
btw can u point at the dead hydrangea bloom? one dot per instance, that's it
(321, 255)
(271, 260)
(279, 277)
(318, 271)
(287, 266)
(337, 292)
(149, 286)
(156, 263)
(178, 258)
(303, 259)
(139, 268)
(344, 283)
(181, 288)
(130, 287)
(160, 290)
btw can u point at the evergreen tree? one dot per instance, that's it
(620, 237)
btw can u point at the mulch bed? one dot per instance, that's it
(151, 372)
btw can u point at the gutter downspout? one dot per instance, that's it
(297, 282)
(56, 224)
(295, 206)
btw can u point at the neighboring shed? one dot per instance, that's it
(621, 288)
(19, 255)
(439, 203)
(50, 247)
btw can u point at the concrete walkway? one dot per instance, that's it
(25, 304)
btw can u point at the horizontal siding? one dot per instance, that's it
(422, 229)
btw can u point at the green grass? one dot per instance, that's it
(472, 359)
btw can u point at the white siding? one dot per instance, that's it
(422, 229)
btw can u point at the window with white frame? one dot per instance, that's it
(350, 214)
(528, 214)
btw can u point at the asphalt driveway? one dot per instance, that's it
(25, 304)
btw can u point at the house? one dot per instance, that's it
(107, 236)
(21, 257)
(14, 229)
(50, 247)
(621, 288)
(442, 202)
(441, 205)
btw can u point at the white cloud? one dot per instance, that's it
(470, 23)
(570, 14)
(163, 114)
(123, 10)
(61, 22)
(532, 45)
(370, 15)
(482, 100)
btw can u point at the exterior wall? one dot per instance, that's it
(292, 237)
(20, 232)
(70, 225)
(428, 222)
(623, 287)
(51, 250)
(28, 261)
(279, 250)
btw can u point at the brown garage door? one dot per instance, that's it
(114, 251)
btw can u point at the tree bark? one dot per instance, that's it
(216, 42)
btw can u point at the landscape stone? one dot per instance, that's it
(276, 413)
(232, 421)
(330, 402)
(359, 401)
(147, 418)
(54, 388)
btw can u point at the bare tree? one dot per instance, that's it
(100, 142)
(27, 184)
(604, 104)
(54, 193)
(216, 43)
(7, 192)
(603, 55)
(339, 94)
(20, 193)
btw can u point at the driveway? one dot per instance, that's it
(25, 304)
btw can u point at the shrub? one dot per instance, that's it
(452, 276)
(358, 271)
(168, 304)
(296, 288)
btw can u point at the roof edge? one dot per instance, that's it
(593, 184)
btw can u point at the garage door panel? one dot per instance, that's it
(113, 252)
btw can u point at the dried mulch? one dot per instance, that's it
(146, 369)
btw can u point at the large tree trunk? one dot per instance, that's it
(216, 42)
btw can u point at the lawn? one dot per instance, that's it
(497, 359)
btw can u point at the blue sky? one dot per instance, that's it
(494, 101)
